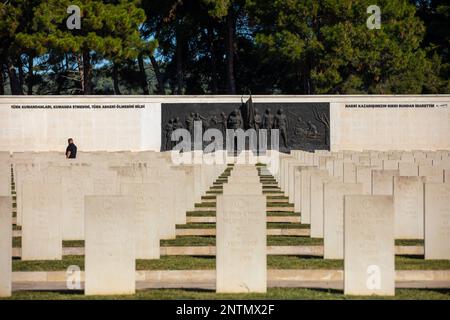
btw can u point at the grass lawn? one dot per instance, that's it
(190, 241)
(207, 263)
(272, 294)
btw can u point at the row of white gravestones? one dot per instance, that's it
(350, 166)
(5, 245)
(114, 239)
(408, 204)
(241, 248)
(45, 216)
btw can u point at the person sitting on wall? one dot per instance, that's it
(71, 150)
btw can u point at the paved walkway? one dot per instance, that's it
(210, 285)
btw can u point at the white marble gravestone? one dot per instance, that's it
(75, 184)
(242, 188)
(333, 217)
(297, 189)
(349, 172)
(189, 189)
(364, 177)
(305, 192)
(408, 204)
(5, 246)
(243, 179)
(338, 168)
(408, 169)
(383, 182)
(390, 164)
(437, 221)
(41, 221)
(241, 256)
(5, 179)
(167, 189)
(23, 172)
(148, 217)
(432, 174)
(369, 260)
(317, 184)
(110, 259)
(292, 167)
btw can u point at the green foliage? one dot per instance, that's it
(329, 44)
(279, 46)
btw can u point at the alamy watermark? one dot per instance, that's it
(73, 278)
(239, 146)
(74, 20)
(374, 20)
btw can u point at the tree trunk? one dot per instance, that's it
(212, 50)
(116, 79)
(21, 76)
(80, 71)
(87, 72)
(144, 83)
(13, 80)
(2, 81)
(159, 76)
(179, 63)
(230, 45)
(30, 75)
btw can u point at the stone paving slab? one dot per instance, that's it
(205, 279)
(272, 219)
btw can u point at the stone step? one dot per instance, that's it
(324, 279)
(214, 192)
(276, 203)
(277, 209)
(280, 209)
(209, 200)
(281, 200)
(270, 232)
(272, 193)
(205, 204)
(273, 219)
(211, 251)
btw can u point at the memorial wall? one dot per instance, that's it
(113, 123)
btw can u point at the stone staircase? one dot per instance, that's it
(281, 218)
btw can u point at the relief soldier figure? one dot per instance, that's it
(234, 120)
(267, 120)
(177, 124)
(204, 121)
(258, 120)
(169, 129)
(281, 123)
(222, 123)
(190, 123)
